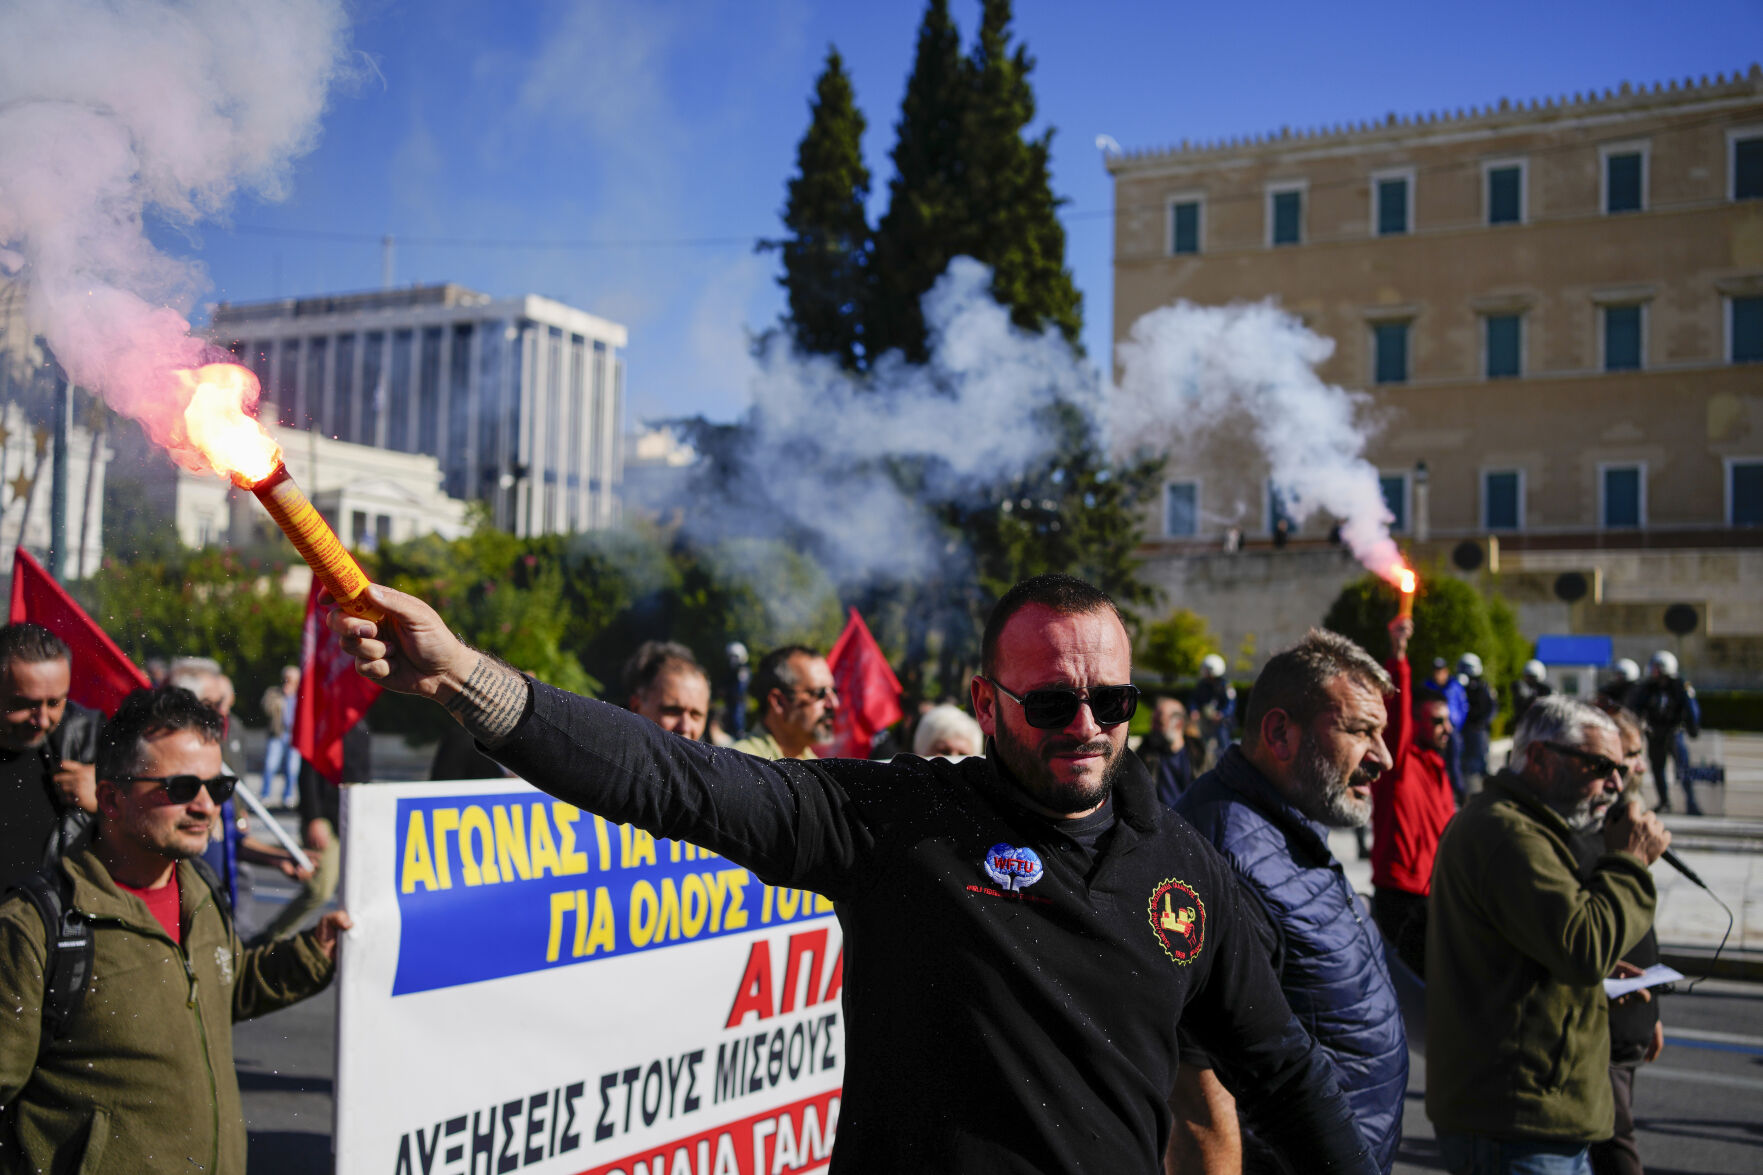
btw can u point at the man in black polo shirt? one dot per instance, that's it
(47, 745)
(1023, 932)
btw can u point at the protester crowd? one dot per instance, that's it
(1262, 1006)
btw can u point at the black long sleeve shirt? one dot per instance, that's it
(1010, 998)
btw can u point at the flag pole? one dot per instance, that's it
(243, 791)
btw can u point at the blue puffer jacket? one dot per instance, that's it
(1330, 956)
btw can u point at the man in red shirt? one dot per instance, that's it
(1410, 805)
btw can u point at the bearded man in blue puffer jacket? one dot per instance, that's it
(1312, 744)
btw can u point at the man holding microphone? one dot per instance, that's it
(1519, 943)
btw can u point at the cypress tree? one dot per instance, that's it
(1010, 203)
(925, 224)
(967, 182)
(826, 255)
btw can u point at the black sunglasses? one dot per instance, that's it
(1605, 768)
(1053, 709)
(181, 789)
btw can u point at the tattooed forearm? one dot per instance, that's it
(490, 703)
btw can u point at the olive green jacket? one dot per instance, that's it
(143, 1079)
(1517, 948)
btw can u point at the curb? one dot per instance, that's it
(1699, 962)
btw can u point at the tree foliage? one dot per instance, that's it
(826, 255)
(208, 603)
(1450, 618)
(1173, 646)
(967, 182)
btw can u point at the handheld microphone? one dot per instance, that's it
(1676, 862)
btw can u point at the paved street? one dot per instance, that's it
(1697, 1107)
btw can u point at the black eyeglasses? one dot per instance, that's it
(181, 789)
(1605, 768)
(818, 695)
(1053, 709)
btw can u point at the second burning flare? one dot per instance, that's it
(236, 445)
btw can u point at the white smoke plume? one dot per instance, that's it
(820, 441)
(821, 445)
(110, 112)
(1187, 371)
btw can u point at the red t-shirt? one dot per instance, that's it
(1411, 803)
(164, 904)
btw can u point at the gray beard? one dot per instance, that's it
(1322, 789)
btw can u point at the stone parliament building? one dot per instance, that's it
(1556, 309)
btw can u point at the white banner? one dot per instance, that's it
(529, 988)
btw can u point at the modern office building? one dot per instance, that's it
(519, 399)
(1556, 309)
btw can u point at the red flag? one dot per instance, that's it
(332, 697)
(869, 693)
(102, 673)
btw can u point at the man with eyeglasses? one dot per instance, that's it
(1410, 805)
(139, 1075)
(1519, 942)
(797, 704)
(1024, 932)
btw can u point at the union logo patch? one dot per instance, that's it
(1013, 868)
(1178, 919)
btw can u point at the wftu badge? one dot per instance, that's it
(1178, 918)
(1013, 868)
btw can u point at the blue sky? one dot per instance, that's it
(663, 132)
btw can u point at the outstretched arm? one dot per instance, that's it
(789, 821)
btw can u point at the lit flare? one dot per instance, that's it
(236, 445)
(217, 423)
(1406, 583)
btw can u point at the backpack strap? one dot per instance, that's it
(222, 902)
(68, 965)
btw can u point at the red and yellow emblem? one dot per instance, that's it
(1178, 919)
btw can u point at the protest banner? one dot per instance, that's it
(530, 988)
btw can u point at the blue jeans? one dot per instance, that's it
(1475, 1154)
(281, 760)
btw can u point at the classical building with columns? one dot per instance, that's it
(1555, 308)
(519, 399)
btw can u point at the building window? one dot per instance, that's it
(1505, 193)
(1745, 330)
(370, 397)
(1390, 352)
(398, 394)
(1505, 345)
(1744, 492)
(1184, 226)
(1392, 204)
(1395, 498)
(287, 384)
(1747, 165)
(1622, 338)
(1622, 496)
(359, 536)
(1285, 216)
(1181, 509)
(1502, 499)
(1625, 180)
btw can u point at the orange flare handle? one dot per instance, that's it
(1405, 609)
(317, 543)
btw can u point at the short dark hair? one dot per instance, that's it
(653, 659)
(30, 644)
(150, 713)
(774, 671)
(1066, 594)
(1294, 680)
